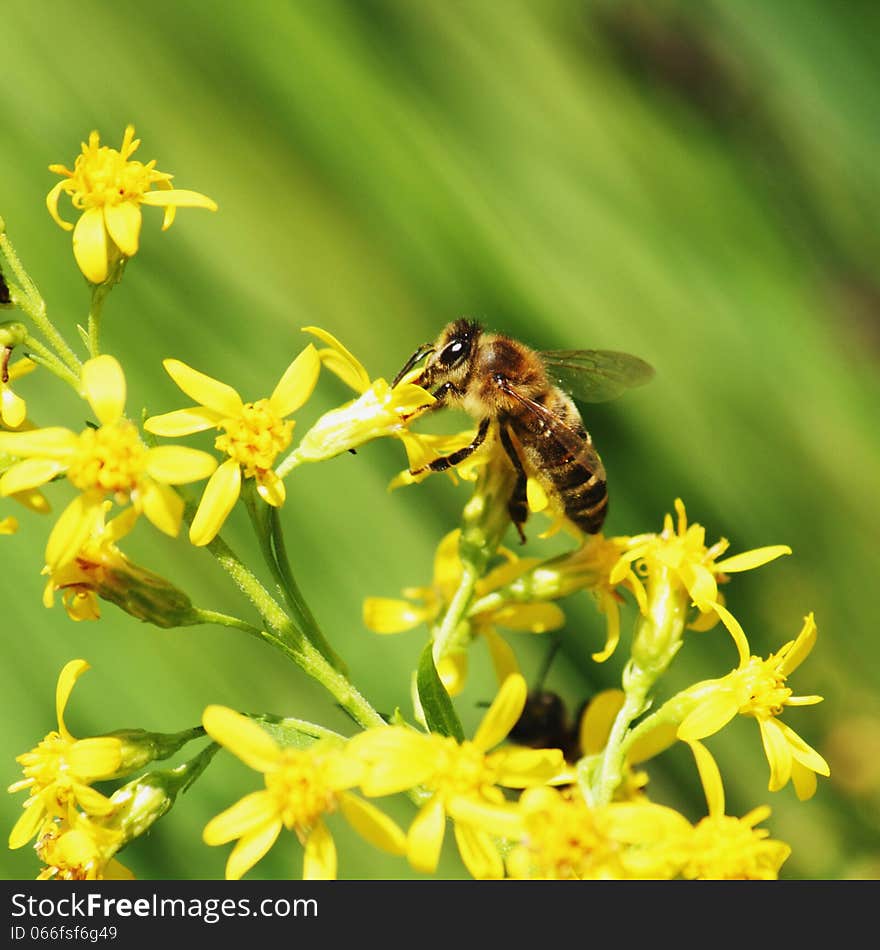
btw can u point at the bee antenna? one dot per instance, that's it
(424, 350)
(548, 660)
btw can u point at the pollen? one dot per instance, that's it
(563, 841)
(255, 437)
(301, 791)
(727, 848)
(768, 693)
(111, 459)
(462, 770)
(103, 176)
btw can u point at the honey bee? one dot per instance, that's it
(530, 395)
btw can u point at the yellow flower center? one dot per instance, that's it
(102, 176)
(564, 843)
(461, 769)
(301, 791)
(768, 693)
(111, 459)
(255, 437)
(726, 848)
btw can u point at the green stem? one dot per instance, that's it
(35, 307)
(96, 310)
(282, 633)
(41, 354)
(267, 527)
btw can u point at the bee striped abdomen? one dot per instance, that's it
(581, 488)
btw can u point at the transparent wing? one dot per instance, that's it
(596, 375)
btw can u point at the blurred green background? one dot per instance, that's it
(696, 184)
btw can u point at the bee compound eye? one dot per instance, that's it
(452, 353)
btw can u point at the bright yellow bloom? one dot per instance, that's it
(82, 851)
(59, 771)
(13, 409)
(100, 571)
(109, 461)
(380, 409)
(758, 688)
(464, 780)
(253, 433)
(109, 190)
(8, 525)
(724, 848)
(427, 604)
(564, 839)
(679, 554)
(302, 786)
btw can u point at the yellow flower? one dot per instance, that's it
(721, 847)
(82, 851)
(679, 555)
(302, 786)
(464, 781)
(380, 409)
(13, 409)
(564, 839)
(253, 433)
(100, 571)
(109, 190)
(59, 771)
(109, 461)
(758, 688)
(427, 604)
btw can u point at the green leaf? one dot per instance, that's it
(439, 712)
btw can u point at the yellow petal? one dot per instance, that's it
(179, 198)
(386, 615)
(52, 203)
(71, 530)
(13, 409)
(710, 777)
(163, 506)
(91, 800)
(804, 643)
(183, 422)
(520, 768)
(778, 753)
(71, 672)
(319, 860)
(452, 670)
(802, 751)
(804, 781)
(503, 714)
(242, 736)
(8, 525)
(425, 839)
(33, 472)
(90, 245)
(179, 465)
(340, 361)
(221, 494)
(534, 618)
(396, 759)
(751, 559)
(297, 383)
(28, 824)
(251, 848)
(536, 496)
(502, 821)
(123, 223)
(248, 814)
(710, 715)
(271, 489)
(504, 661)
(103, 385)
(736, 631)
(204, 389)
(96, 758)
(479, 853)
(596, 722)
(53, 443)
(372, 825)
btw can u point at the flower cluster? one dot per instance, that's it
(570, 804)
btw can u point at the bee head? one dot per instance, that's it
(449, 357)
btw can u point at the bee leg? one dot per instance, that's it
(518, 505)
(442, 393)
(459, 455)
